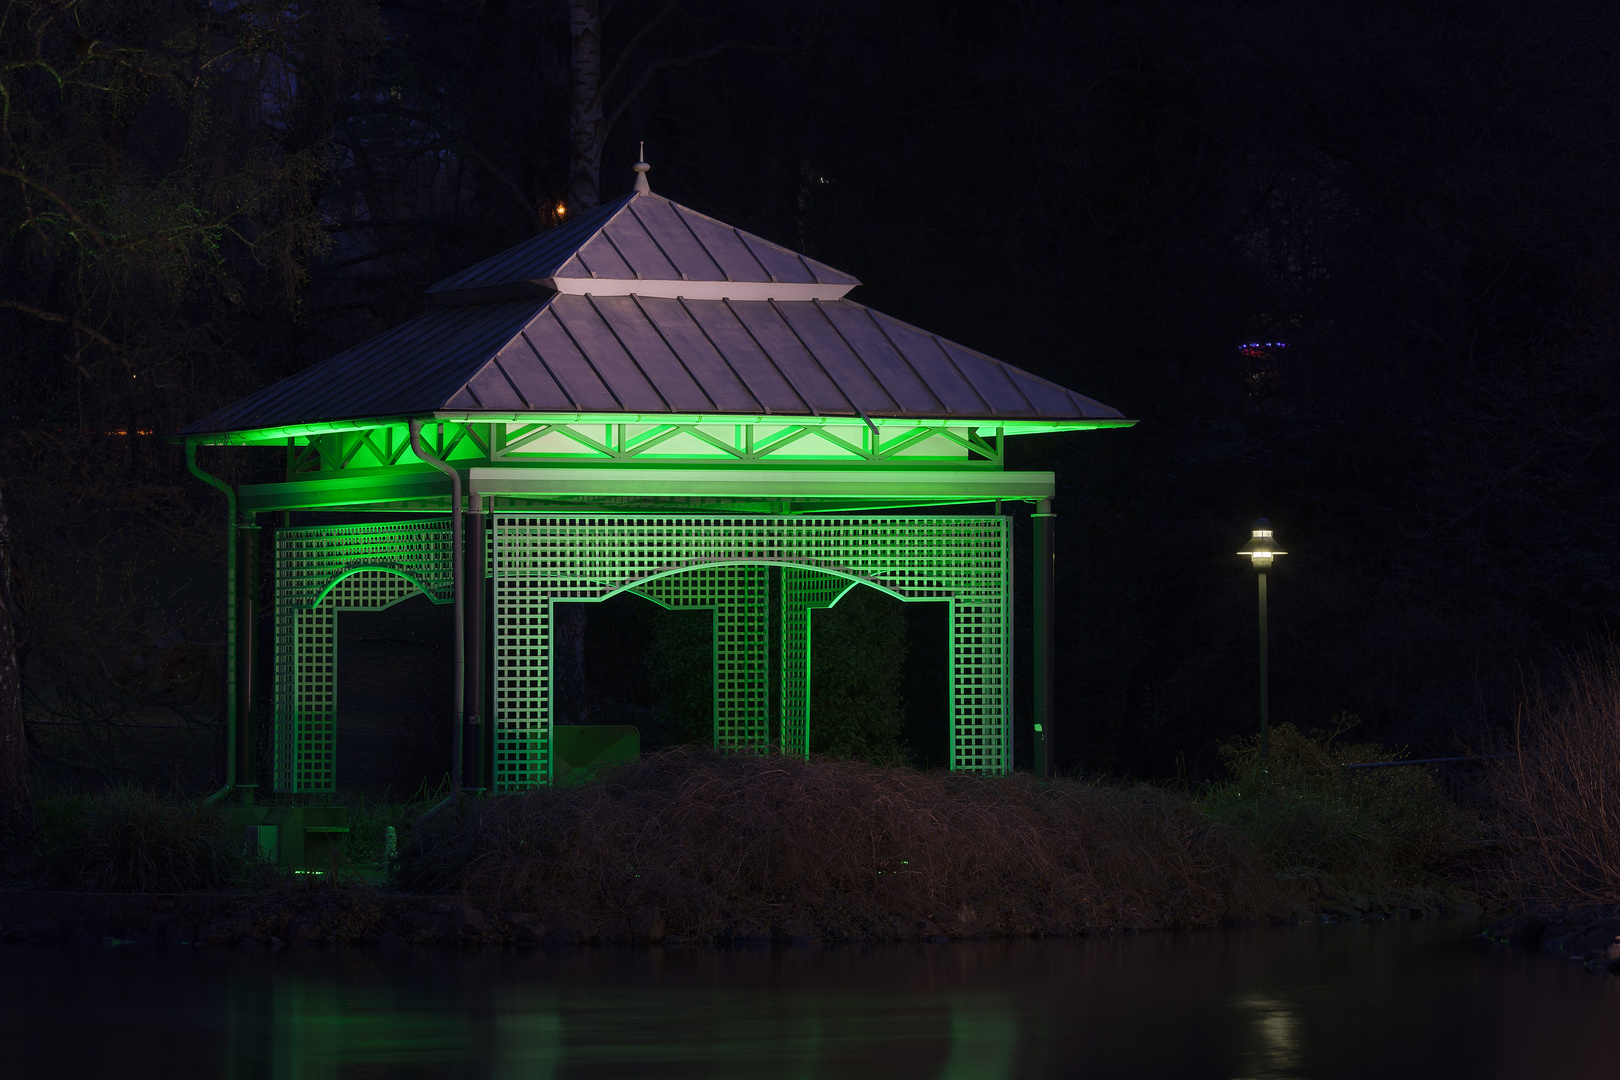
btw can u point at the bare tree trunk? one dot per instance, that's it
(585, 106)
(19, 827)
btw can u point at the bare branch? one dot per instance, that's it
(95, 234)
(51, 316)
(630, 47)
(512, 185)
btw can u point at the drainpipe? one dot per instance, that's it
(475, 577)
(230, 617)
(460, 683)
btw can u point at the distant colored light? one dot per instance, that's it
(1261, 348)
(562, 209)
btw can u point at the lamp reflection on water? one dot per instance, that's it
(1278, 1047)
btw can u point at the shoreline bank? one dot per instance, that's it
(335, 916)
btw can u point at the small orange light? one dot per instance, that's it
(561, 209)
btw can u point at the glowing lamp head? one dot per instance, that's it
(1262, 548)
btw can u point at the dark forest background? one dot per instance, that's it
(1417, 200)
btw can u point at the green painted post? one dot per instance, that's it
(1045, 571)
(1265, 682)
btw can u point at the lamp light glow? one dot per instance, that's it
(1262, 547)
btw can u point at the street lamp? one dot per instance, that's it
(1261, 549)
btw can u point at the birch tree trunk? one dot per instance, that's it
(19, 828)
(585, 106)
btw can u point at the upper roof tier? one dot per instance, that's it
(645, 245)
(641, 309)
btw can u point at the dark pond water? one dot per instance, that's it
(1392, 1000)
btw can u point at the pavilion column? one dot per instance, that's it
(474, 585)
(247, 624)
(1043, 519)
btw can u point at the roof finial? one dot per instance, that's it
(642, 168)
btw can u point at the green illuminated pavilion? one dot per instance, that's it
(645, 400)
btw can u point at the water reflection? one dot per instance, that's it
(1409, 1000)
(1277, 1026)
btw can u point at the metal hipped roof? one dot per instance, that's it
(643, 307)
(647, 245)
(647, 355)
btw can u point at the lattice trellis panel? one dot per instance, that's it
(538, 559)
(802, 592)
(366, 562)
(738, 595)
(679, 561)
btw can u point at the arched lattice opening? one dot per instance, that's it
(394, 697)
(761, 576)
(724, 564)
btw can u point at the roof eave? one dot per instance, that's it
(981, 424)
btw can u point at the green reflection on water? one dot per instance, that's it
(1323, 1003)
(291, 1026)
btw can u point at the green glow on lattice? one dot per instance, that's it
(320, 572)
(684, 560)
(679, 561)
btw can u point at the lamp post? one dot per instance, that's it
(1261, 549)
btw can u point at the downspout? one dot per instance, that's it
(455, 578)
(230, 617)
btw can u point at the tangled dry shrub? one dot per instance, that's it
(130, 840)
(739, 844)
(1339, 831)
(1556, 797)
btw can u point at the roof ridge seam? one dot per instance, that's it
(877, 380)
(814, 359)
(673, 351)
(507, 375)
(726, 360)
(680, 215)
(939, 343)
(585, 356)
(617, 250)
(1007, 373)
(766, 353)
(743, 236)
(544, 366)
(871, 317)
(656, 244)
(591, 300)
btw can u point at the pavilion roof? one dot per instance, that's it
(642, 308)
(658, 246)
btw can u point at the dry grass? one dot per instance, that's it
(1334, 832)
(1558, 800)
(744, 845)
(131, 840)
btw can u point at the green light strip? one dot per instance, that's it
(983, 425)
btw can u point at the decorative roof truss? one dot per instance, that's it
(795, 442)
